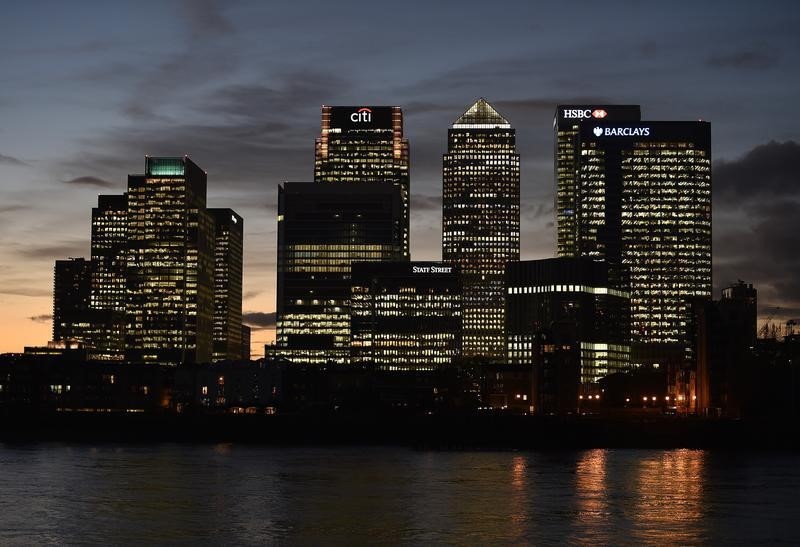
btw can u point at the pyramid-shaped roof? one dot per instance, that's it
(481, 114)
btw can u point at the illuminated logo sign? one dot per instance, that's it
(581, 113)
(361, 115)
(235, 221)
(432, 269)
(621, 131)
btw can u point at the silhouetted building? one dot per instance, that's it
(170, 264)
(228, 248)
(405, 315)
(245, 343)
(557, 356)
(480, 221)
(644, 203)
(322, 229)
(723, 348)
(567, 161)
(365, 144)
(72, 283)
(568, 291)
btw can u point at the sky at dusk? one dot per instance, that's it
(88, 88)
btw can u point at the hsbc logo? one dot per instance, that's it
(363, 115)
(581, 113)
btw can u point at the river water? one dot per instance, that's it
(242, 494)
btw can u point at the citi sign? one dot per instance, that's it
(621, 131)
(580, 113)
(361, 115)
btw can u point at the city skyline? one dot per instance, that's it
(106, 115)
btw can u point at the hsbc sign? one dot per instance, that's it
(581, 113)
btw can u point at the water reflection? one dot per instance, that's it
(669, 490)
(245, 495)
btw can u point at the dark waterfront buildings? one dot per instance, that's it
(405, 315)
(567, 161)
(228, 248)
(170, 264)
(72, 282)
(644, 206)
(570, 300)
(322, 229)
(365, 144)
(480, 221)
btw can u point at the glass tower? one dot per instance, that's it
(566, 125)
(480, 222)
(169, 301)
(365, 144)
(322, 230)
(645, 205)
(228, 248)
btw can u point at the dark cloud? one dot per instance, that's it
(10, 160)
(766, 170)
(251, 294)
(44, 318)
(422, 202)
(259, 319)
(745, 59)
(205, 17)
(756, 227)
(55, 251)
(13, 208)
(90, 181)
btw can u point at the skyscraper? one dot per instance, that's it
(170, 264)
(322, 229)
(228, 247)
(644, 196)
(72, 283)
(480, 221)
(566, 125)
(109, 244)
(365, 144)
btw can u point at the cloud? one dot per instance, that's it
(10, 160)
(90, 181)
(766, 170)
(44, 318)
(55, 251)
(259, 320)
(422, 202)
(756, 227)
(745, 59)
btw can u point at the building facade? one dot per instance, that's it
(170, 264)
(405, 315)
(228, 249)
(322, 229)
(72, 282)
(480, 222)
(365, 144)
(575, 294)
(566, 125)
(645, 207)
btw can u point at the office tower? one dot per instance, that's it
(645, 206)
(245, 350)
(365, 144)
(405, 315)
(72, 283)
(569, 291)
(228, 247)
(566, 125)
(109, 244)
(170, 264)
(480, 221)
(322, 229)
